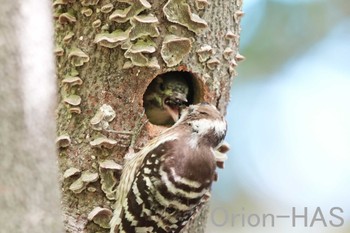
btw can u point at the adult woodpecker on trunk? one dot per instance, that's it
(163, 185)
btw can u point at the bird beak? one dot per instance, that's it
(174, 104)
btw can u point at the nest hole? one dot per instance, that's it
(170, 87)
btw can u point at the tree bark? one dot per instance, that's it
(29, 190)
(108, 52)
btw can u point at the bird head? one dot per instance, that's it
(175, 98)
(167, 95)
(207, 123)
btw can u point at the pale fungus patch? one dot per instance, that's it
(59, 2)
(91, 189)
(111, 40)
(71, 172)
(108, 183)
(97, 23)
(80, 184)
(67, 18)
(135, 8)
(204, 53)
(75, 110)
(228, 53)
(103, 116)
(232, 65)
(120, 15)
(101, 216)
(111, 165)
(77, 186)
(230, 35)
(144, 25)
(89, 2)
(143, 46)
(139, 59)
(103, 142)
(59, 51)
(63, 141)
(108, 170)
(239, 57)
(89, 177)
(174, 49)
(137, 53)
(68, 37)
(178, 11)
(107, 8)
(86, 11)
(78, 57)
(74, 100)
(72, 80)
(238, 15)
(213, 63)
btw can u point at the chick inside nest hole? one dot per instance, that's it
(168, 93)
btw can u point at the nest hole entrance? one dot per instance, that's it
(170, 92)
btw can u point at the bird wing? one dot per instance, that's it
(133, 162)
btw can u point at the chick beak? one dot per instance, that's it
(174, 105)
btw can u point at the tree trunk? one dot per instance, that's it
(29, 190)
(108, 52)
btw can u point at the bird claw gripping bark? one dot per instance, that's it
(221, 154)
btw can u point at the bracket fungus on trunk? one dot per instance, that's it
(107, 8)
(174, 49)
(135, 8)
(213, 63)
(228, 52)
(102, 117)
(85, 178)
(86, 11)
(144, 25)
(78, 57)
(72, 80)
(74, 100)
(204, 53)
(108, 170)
(111, 40)
(89, 2)
(67, 17)
(101, 216)
(71, 172)
(178, 11)
(63, 141)
(101, 142)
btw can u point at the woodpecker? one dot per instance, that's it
(165, 97)
(164, 184)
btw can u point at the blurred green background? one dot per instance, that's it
(289, 122)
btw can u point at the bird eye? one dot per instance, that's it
(162, 87)
(204, 113)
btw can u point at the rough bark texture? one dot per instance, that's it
(108, 52)
(29, 191)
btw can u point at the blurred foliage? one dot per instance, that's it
(274, 34)
(287, 30)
